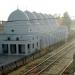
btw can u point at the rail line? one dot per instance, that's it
(57, 62)
(48, 62)
(61, 72)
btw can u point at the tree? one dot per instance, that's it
(66, 20)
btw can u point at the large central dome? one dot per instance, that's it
(17, 15)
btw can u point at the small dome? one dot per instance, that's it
(17, 15)
(30, 15)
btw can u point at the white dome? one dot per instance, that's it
(30, 15)
(17, 15)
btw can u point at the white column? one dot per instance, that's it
(26, 49)
(30, 47)
(9, 49)
(38, 45)
(17, 50)
(1, 51)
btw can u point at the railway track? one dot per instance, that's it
(26, 68)
(61, 66)
(61, 72)
(37, 70)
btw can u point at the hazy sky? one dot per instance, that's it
(44, 6)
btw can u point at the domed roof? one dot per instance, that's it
(17, 15)
(30, 15)
(37, 15)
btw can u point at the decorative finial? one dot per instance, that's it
(17, 7)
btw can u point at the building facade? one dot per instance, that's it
(25, 33)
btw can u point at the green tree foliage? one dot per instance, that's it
(66, 20)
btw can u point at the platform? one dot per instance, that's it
(7, 59)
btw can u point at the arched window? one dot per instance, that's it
(28, 46)
(33, 38)
(37, 37)
(12, 30)
(33, 45)
(37, 44)
(8, 38)
(17, 38)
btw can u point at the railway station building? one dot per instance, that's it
(26, 32)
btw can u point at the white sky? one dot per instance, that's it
(44, 6)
